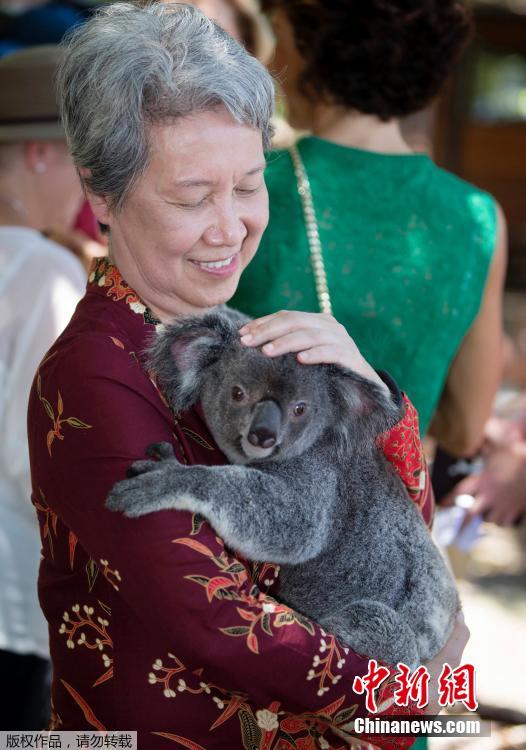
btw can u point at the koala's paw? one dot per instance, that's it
(157, 451)
(137, 496)
(160, 451)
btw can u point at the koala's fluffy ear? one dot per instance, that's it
(181, 352)
(364, 409)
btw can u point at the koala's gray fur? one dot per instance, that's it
(355, 554)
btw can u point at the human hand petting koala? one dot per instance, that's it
(317, 338)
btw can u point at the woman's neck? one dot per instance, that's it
(358, 130)
(12, 211)
(15, 200)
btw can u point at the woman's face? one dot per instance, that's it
(195, 218)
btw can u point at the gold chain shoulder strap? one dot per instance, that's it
(313, 234)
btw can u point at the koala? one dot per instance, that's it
(307, 487)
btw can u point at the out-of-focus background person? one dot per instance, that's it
(242, 19)
(499, 487)
(40, 285)
(26, 23)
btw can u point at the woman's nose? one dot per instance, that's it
(228, 230)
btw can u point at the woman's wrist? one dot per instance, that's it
(374, 376)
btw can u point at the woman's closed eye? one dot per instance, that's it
(193, 203)
(190, 201)
(248, 190)
(180, 204)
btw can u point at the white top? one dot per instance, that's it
(40, 285)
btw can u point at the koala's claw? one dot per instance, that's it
(141, 467)
(133, 496)
(161, 451)
(156, 451)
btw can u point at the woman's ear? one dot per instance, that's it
(98, 203)
(36, 156)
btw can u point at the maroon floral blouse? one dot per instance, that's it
(154, 626)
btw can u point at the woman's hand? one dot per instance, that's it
(316, 338)
(450, 654)
(500, 489)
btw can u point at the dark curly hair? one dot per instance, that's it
(383, 57)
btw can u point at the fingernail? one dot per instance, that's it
(465, 501)
(268, 348)
(243, 330)
(247, 338)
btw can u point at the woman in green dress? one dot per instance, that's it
(408, 257)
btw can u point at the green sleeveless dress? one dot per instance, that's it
(407, 249)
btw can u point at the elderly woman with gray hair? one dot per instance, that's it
(154, 625)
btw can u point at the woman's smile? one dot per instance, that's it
(224, 267)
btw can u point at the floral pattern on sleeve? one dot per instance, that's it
(403, 449)
(57, 421)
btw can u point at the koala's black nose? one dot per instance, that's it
(262, 438)
(266, 424)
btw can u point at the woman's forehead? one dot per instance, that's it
(191, 149)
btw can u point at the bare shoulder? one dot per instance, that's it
(500, 254)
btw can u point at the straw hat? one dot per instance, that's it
(28, 106)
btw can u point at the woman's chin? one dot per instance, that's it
(216, 289)
(223, 294)
(222, 297)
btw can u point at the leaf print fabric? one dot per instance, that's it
(154, 624)
(56, 431)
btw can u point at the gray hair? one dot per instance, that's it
(131, 67)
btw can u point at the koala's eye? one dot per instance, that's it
(238, 394)
(300, 409)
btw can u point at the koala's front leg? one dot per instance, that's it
(261, 514)
(147, 486)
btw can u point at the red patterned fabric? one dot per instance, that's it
(403, 448)
(154, 625)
